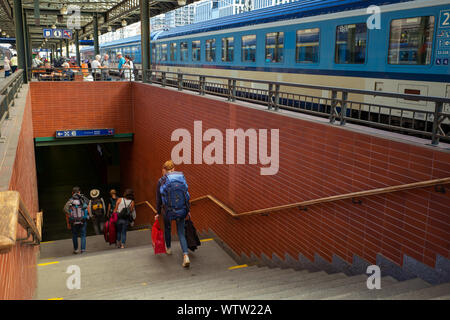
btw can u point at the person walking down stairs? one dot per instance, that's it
(172, 200)
(97, 211)
(77, 216)
(126, 214)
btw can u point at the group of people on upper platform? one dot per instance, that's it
(172, 203)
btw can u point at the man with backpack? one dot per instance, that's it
(77, 215)
(97, 211)
(172, 199)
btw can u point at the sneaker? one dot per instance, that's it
(186, 261)
(168, 251)
(75, 252)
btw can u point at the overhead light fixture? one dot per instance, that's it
(3, 33)
(124, 23)
(181, 2)
(53, 26)
(109, 29)
(63, 10)
(85, 38)
(0, 29)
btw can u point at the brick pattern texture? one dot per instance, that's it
(316, 160)
(80, 105)
(18, 266)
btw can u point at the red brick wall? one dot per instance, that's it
(18, 266)
(316, 160)
(80, 105)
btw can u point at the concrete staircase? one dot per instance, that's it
(136, 273)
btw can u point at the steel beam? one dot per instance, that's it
(20, 38)
(96, 43)
(77, 48)
(145, 38)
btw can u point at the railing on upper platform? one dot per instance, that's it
(433, 123)
(303, 205)
(426, 117)
(13, 212)
(9, 88)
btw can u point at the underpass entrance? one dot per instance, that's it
(61, 167)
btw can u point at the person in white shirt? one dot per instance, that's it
(96, 66)
(7, 67)
(128, 68)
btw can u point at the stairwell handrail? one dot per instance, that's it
(305, 204)
(13, 211)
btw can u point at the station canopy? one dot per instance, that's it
(111, 15)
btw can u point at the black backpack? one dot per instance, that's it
(125, 213)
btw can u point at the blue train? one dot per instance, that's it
(340, 43)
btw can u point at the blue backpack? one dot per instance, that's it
(175, 196)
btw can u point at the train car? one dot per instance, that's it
(87, 53)
(323, 42)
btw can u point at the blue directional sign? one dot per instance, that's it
(57, 33)
(84, 133)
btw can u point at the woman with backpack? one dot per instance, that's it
(126, 213)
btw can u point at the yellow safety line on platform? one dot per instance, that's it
(238, 267)
(205, 240)
(144, 229)
(56, 299)
(47, 263)
(44, 242)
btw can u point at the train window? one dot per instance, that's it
(173, 52)
(249, 48)
(164, 52)
(153, 54)
(307, 50)
(228, 49)
(210, 50)
(184, 51)
(158, 52)
(411, 41)
(274, 46)
(196, 50)
(351, 42)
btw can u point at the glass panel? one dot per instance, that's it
(173, 52)
(164, 52)
(307, 50)
(351, 43)
(184, 51)
(210, 50)
(411, 41)
(227, 49)
(196, 50)
(249, 48)
(274, 46)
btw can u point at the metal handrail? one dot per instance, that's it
(304, 204)
(8, 92)
(335, 108)
(13, 211)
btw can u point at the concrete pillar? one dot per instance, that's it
(145, 37)
(20, 38)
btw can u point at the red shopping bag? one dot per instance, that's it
(158, 238)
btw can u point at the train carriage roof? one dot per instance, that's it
(293, 10)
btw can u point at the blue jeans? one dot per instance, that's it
(180, 231)
(121, 228)
(79, 230)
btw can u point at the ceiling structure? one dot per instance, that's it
(110, 13)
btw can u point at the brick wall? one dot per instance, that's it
(18, 266)
(316, 160)
(98, 105)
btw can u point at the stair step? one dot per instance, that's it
(169, 284)
(335, 294)
(322, 278)
(386, 293)
(186, 290)
(437, 291)
(269, 288)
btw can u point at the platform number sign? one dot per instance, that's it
(444, 19)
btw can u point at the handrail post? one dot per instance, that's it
(180, 82)
(202, 85)
(269, 96)
(233, 95)
(277, 97)
(333, 111)
(344, 107)
(436, 123)
(163, 79)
